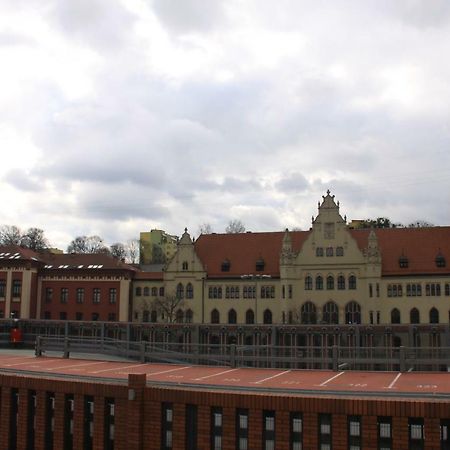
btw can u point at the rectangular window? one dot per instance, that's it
(166, 426)
(370, 290)
(112, 295)
(96, 295)
(95, 316)
(354, 433)
(296, 431)
(68, 421)
(216, 428)
(88, 429)
(325, 432)
(49, 419)
(445, 434)
(78, 316)
(63, 315)
(109, 423)
(16, 288)
(48, 295)
(112, 317)
(2, 288)
(384, 425)
(416, 433)
(13, 419)
(80, 295)
(191, 427)
(289, 290)
(242, 429)
(64, 295)
(31, 419)
(268, 430)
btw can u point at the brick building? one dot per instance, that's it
(147, 412)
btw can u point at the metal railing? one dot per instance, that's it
(281, 357)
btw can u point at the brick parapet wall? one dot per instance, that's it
(138, 414)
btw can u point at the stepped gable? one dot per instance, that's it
(243, 250)
(420, 246)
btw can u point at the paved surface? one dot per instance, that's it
(380, 384)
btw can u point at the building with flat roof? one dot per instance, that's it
(95, 405)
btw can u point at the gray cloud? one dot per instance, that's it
(189, 15)
(23, 181)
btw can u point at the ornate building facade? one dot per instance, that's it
(330, 274)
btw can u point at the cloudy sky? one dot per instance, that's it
(118, 116)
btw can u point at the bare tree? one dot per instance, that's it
(235, 226)
(87, 244)
(10, 235)
(168, 306)
(420, 224)
(34, 239)
(118, 250)
(132, 248)
(205, 228)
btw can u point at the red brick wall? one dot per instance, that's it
(104, 308)
(138, 414)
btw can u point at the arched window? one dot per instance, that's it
(330, 313)
(339, 251)
(154, 291)
(154, 316)
(353, 313)
(138, 291)
(434, 315)
(341, 282)
(146, 291)
(189, 291)
(308, 283)
(330, 282)
(179, 316)
(319, 282)
(189, 316)
(308, 313)
(215, 316)
(227, 292)
(414, 316)
(267, 316)
(232, 316)
(352, 282)
(219, 292)
(180, 291)
(329, 251)
(249, 316)
(161, 291)
(395, 316)
(319, 251)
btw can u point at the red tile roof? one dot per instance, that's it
(158, 276)
(419, 245)
(242, 250)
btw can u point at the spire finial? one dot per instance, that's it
(328, 192)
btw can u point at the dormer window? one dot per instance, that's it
(403, 262)
(440, 260)
(260, 265)
(226, 266)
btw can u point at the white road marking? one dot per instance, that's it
(270, 378)
(391, 386)
(78, 365)
(119, 368)
(331, 379)
(167, 371)
(20, 364)
(214, 375)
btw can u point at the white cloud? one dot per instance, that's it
(147, 113)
